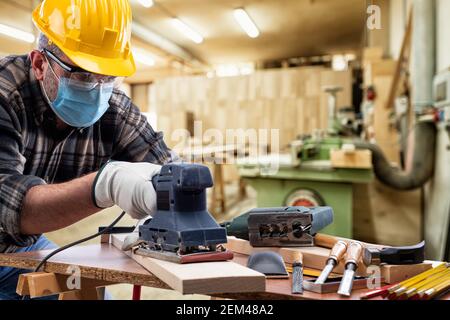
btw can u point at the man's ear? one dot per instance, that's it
(38, 63)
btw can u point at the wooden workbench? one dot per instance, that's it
(105, 262)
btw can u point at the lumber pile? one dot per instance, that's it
(291, 100)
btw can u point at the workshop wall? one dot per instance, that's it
(437, 208)
(436, 201)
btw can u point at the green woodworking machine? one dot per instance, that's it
(307, 178)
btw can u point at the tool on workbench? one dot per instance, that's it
(376, 293)
(418, 291)
(417, 286)
(398, 289)
(437, 291)
(297, 277)
(331, 285)
(336, 254)
(297, 273)
(394, 255)
(182, 230)
(269, 263)
(313, 273)
(352, 258)
(280, 227)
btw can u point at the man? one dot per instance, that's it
(62, 120)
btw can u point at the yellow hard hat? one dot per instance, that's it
(94, 34)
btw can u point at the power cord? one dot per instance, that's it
(103, 231)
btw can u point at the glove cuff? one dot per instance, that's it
(94, 184)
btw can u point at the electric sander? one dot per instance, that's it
(182, 230)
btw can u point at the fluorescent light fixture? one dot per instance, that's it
(16, 33)
(146, 3)
(228, 70)
(143, 57)
(187, 31)
(246, 23)
(232, 70)
(339, 63)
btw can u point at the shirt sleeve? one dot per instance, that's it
(138, 142)
(13, 184)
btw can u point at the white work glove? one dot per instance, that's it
(127, 185)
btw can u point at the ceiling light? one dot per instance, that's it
(16, 33)
(146, 3)
(339, 63)
(143, 57)
(246, 23)
(232, 70)
(186, 30)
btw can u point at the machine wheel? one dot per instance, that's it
(304, 198)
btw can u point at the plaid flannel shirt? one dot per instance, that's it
(33, 152)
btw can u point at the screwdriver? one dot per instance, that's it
(336, 254)
(352, 257)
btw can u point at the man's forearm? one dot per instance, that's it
(51, 207)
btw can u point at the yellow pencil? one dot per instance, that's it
(400, 288)
(428, 283)
(429, 294)
(420, 276)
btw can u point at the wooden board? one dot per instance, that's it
(107, 262)
(101, 262)
(371, 54)
(316, 257)
(379, 68)
(357, 159)
(200, 278)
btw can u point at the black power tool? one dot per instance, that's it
(182, 230)
(280, 227)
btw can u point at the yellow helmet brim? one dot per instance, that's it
(104, 66)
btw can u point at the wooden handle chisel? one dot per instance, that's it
(336, 254)
(352, 258)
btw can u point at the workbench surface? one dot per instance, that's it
(105, 262)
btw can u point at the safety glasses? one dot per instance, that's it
(76, 73)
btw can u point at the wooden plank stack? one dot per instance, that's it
(291, 100)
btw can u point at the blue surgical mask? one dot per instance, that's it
(80, 104)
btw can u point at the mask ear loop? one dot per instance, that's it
(41, 84)
(50, 66)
